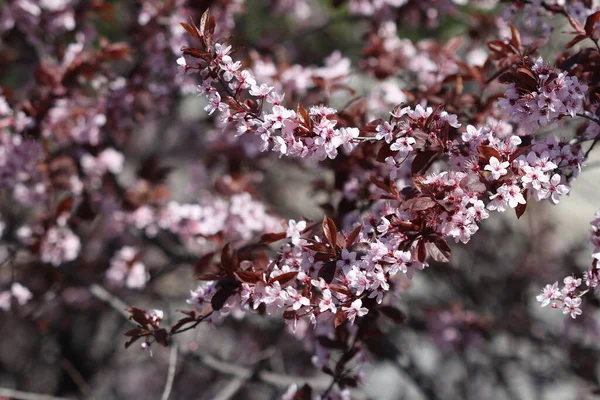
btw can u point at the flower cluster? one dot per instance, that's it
(18, 292)
(340, 276)
(238, 218)
(312, 134)
(569, 297)
(541, 95)
(126, 269)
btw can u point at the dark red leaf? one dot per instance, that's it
(316, 246)
(285, 279)
(289, 314)
(499, 47)
(473, 184)
(65, 206)
(442, 250)
(220, 297)
(208, 277)
(423, 161)
(330, 231)
(204, 263)
(161, 336)
(247, 276)
(519, 152)
(507, 77)
(385, 152)
(191, 30)
(488, 152)
(575, 24)
(340, 289)
(454, 44)
(203, 21)
(381, 185)
(181, 323)
(421, 251)
(419, 204)
(515, 39)
(197, 53)
(525, 79)
(340, 317)
(131, 341)
(229, 259)
(138, 315)
(268, 238)
(591, 22)
(575, 40)
(348, 381)
(327, 271)
(352, 236)
(520, 208)
(305, 393)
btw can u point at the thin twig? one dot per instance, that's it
(76, 377)
(589, 117)
(189, 328)
(342, 371)
(232, 387)
(277, 380)
(171, 373)
(19, 395)
(117, 304)
(587, 153)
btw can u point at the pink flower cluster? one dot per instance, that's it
(19, 157)
(317, 279)
(126, 269)
(543, 97)
(18, 292)
(569, 297)
(33, 16)
(238, 218)
(312, 134)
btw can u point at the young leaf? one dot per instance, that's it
(330, 231)
(285, 278)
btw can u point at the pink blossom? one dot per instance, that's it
(549, 293)
(294, 231)
(571, 306)
(497, 168)
(59, 245)
(355, 309)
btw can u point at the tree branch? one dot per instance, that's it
(19, 395)
(171, 373)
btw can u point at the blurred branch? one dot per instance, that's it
(171, 373)
(76, 377)
(104, 295)
(279, 381)
(19, 395)
(231, 389)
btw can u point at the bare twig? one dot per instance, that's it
(277, 380)
(171, 373)
(117, 304)
(588, 117)
(19, 395)
(232, 387)
(76, 377)
(193, 326)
